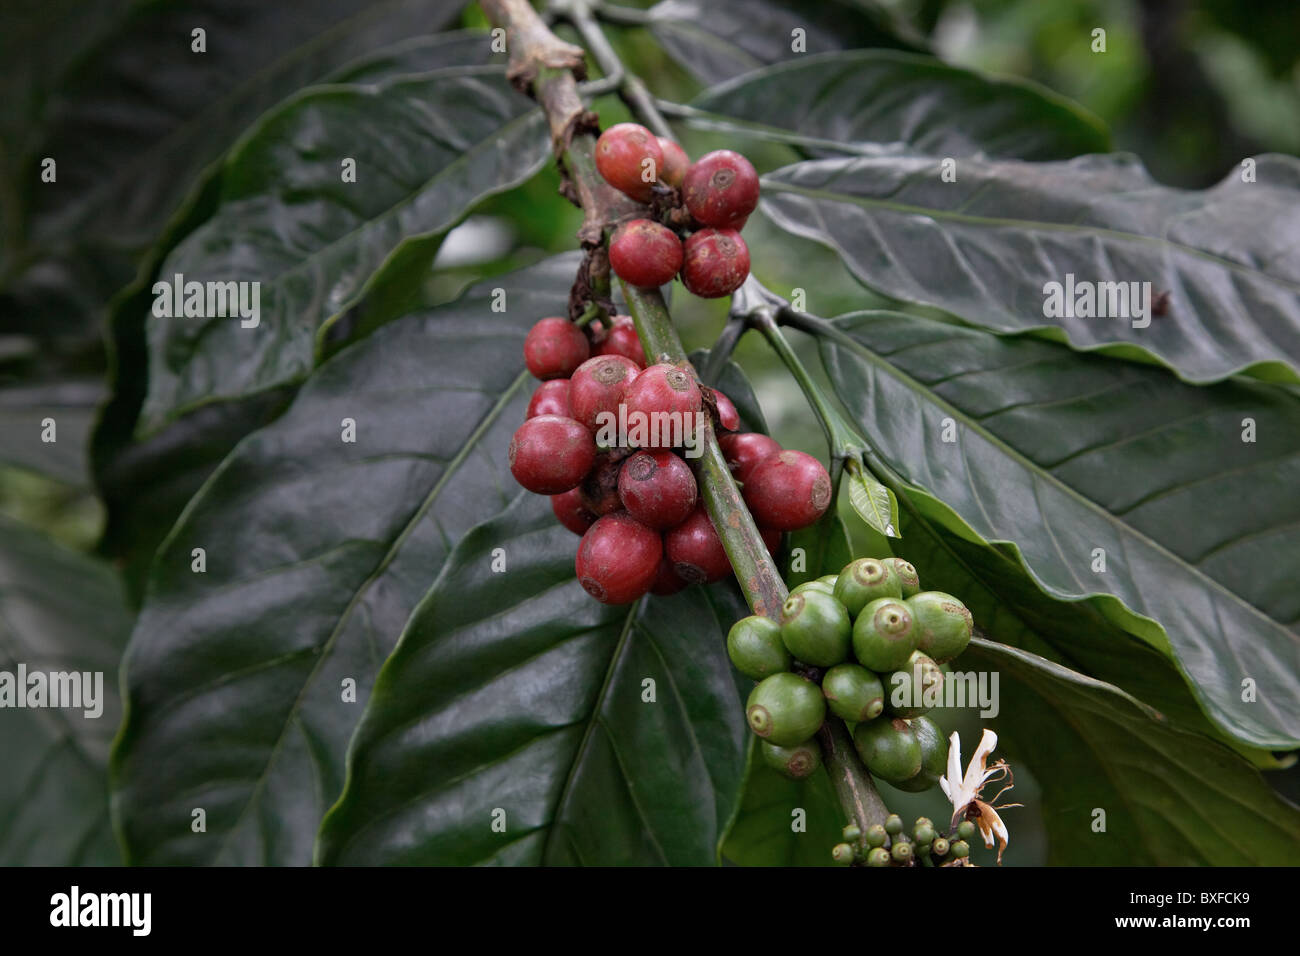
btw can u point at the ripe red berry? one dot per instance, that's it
(551, 398)
(696, 551)
(598, 386)
(788, 491)
(744, 450)
(554, 348)
(571, 512)
(771, 538)
(657, 489)
(622, 339)
(618, 559)
(599, 489)
(716, 263)
(629, 158)
(645, 253)
(675, 164)
(666, 582)
(663, 388)
(728, 417)
(550, 454)
(721, 189)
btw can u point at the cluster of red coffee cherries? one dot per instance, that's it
(644, 529)
(719, 191)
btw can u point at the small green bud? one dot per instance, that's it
(876, 835)
(853, 693)
(755, 648)
(923, 821)
(940, 846)
(878, 857)
(785, 709)
(815, 628)
(943, 625)
(965, 829)
(923, 833)
(864, 580)
(893, 824)
(960, 850)
(901, 851)
(851, 833)
(883, 636)
(842, 854)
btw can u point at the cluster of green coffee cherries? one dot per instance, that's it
(889, 845)
(865, 644)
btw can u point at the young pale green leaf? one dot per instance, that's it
(1112, 482)
(874, 503)
(866, 100)
(425, 149)
(520, 722)
(247, 673)
(716, 40)
(1124, 788)
(59, 612)
(987, 247)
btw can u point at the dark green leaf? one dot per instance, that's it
(512, 691)
(59, 612)
(770, 831)
(1170, 798)
(316, 550)
(822, 548)
(1053, 454)
(865, 99)
(985, 247)
(24, 409)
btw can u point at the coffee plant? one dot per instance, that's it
(411, 560)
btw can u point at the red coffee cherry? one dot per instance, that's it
(772, 538)
(551, 398)
(645, 253)
(599, 489)
(676, 162)
(623, 340)
(571, 512)
(696, 551)
(554, 348)
(788, 491)
(598, 386)
(629, 158)
(744, 450)
(667, 582)
(657, 489)
(715, 264)
(550, 454)
(721, 189)
(663, 388)
(728, 417)
(618, 559)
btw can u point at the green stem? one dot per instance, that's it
(849, 777)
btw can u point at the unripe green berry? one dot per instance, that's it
(851, 833)
(828, 580)
(893, 824)
(934, 757)
(883, 636)
(914, 689)
(810, 586)
(943, 625)
(842, 854)
(965, 829)
(878, 857)
(901, 851)
(864, 580)
(940, 846)
(785, 709)
(755, 647)
(853, 693)
(876, 835)
(923, 821)
(815, 628)
(794, 762)
(908, 579)
(889, 749)
(960, 850)
(923, 834)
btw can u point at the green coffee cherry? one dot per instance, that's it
(755, 648)
(965, 829)
(853, 693)
(901, 851)
(940, 846)
(864, 580)
(876, 835)
(810, 586)
(878, 857)
(842, 854)
(851, 833)
(893, 824)
(960, 850)
(908, 579)
(828, 580)
(934, 757)
(815, 628)
(785, 709)
(923, 834)
(883, 636)
(942, 623)
(794, 762)
(889, 749)
(908, 689)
